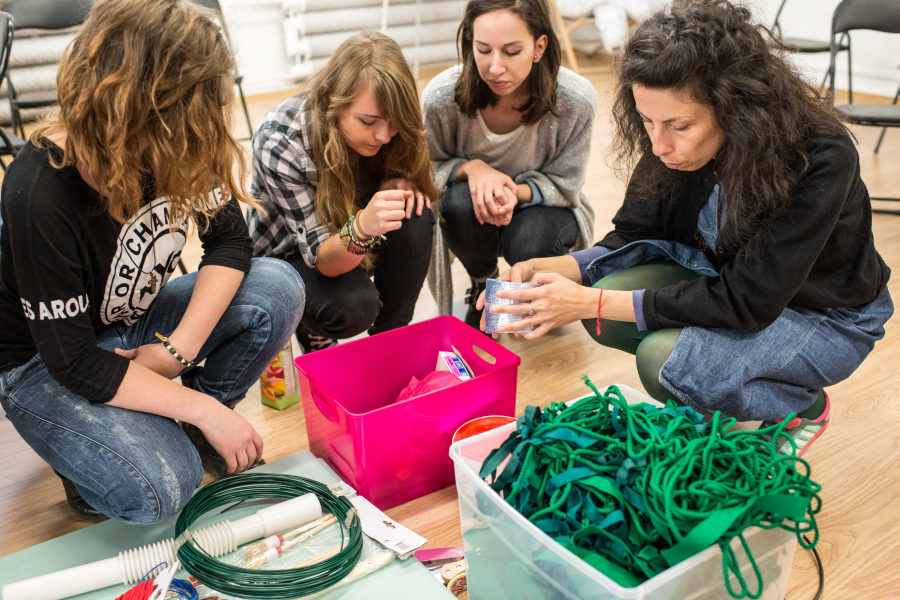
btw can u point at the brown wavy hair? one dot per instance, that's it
(712, 51)
(146, 94)
(374, 61)
(473, 94)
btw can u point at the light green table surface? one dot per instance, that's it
(400, 580)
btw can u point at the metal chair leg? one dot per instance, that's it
(20, 123)
(825, 80)
(15, 118)
(880, 137)
(15, 123)
(849, 71)
(182, 267)
(885, 211)
(884, 129)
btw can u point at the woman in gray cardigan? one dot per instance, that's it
(509, 133)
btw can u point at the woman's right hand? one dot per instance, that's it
(384, 212)
(521, 272)
(487, 188)
(232, 437)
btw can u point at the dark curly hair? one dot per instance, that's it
(473, 94)
(711, 51)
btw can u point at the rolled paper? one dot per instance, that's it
(492, 321)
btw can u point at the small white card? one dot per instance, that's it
(386, 531)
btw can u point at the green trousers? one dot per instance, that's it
(651, 348)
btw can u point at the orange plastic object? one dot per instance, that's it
(480, 425)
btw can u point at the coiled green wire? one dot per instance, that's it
(263, 585)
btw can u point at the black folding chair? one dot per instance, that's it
(48, 15)
(875, 15)
(238, 78)
(807, 46)
(10, 143)
(884, 129)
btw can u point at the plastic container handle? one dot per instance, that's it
(324, 407)
(481, 353)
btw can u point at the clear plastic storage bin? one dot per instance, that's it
(509, 558)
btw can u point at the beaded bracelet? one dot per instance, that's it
(371, 241)
(173, 351)
(348, 239)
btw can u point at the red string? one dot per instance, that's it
(599, 306)
(141, 591)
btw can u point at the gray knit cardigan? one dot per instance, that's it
(562, 159)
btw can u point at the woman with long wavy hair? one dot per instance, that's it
(342, 170)
(742, 270)
(96, 209)
(509, 132)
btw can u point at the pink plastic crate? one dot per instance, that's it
(392, 453)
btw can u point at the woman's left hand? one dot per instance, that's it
(418, 199)
(559, 301)
(154, 357)
(507, 207)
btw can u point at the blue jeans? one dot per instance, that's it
(779, 370)
(139, 467)
(755, 376)
(535, 232)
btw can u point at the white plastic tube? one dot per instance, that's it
(130, 566)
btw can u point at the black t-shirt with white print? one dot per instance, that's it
(68, 270)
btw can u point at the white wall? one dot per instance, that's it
(269, 60)
(876, 56)
(257, 28)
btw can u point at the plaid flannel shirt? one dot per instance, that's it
(284, 182)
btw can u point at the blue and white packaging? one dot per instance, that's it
(452, 362)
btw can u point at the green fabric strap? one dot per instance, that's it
(636, 489)
(704, 535)
(622, 576)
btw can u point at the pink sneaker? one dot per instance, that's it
(803, 431)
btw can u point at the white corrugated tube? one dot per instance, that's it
(129, 567)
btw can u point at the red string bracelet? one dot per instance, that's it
(599, 306)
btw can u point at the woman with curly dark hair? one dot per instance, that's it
(742, 270)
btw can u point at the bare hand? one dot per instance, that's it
(506, 209)
(232, 437)
(154, 357)
(385, 212)
(521, 272)
(418, 200)
(559, 301)
(486, 186)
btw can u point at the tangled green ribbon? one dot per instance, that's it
(635, 489)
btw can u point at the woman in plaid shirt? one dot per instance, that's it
(343, 172)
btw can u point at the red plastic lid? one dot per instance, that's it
(480, 425)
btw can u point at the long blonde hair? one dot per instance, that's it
(374, 61)
(146, 90)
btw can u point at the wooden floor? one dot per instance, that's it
(857, 461)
